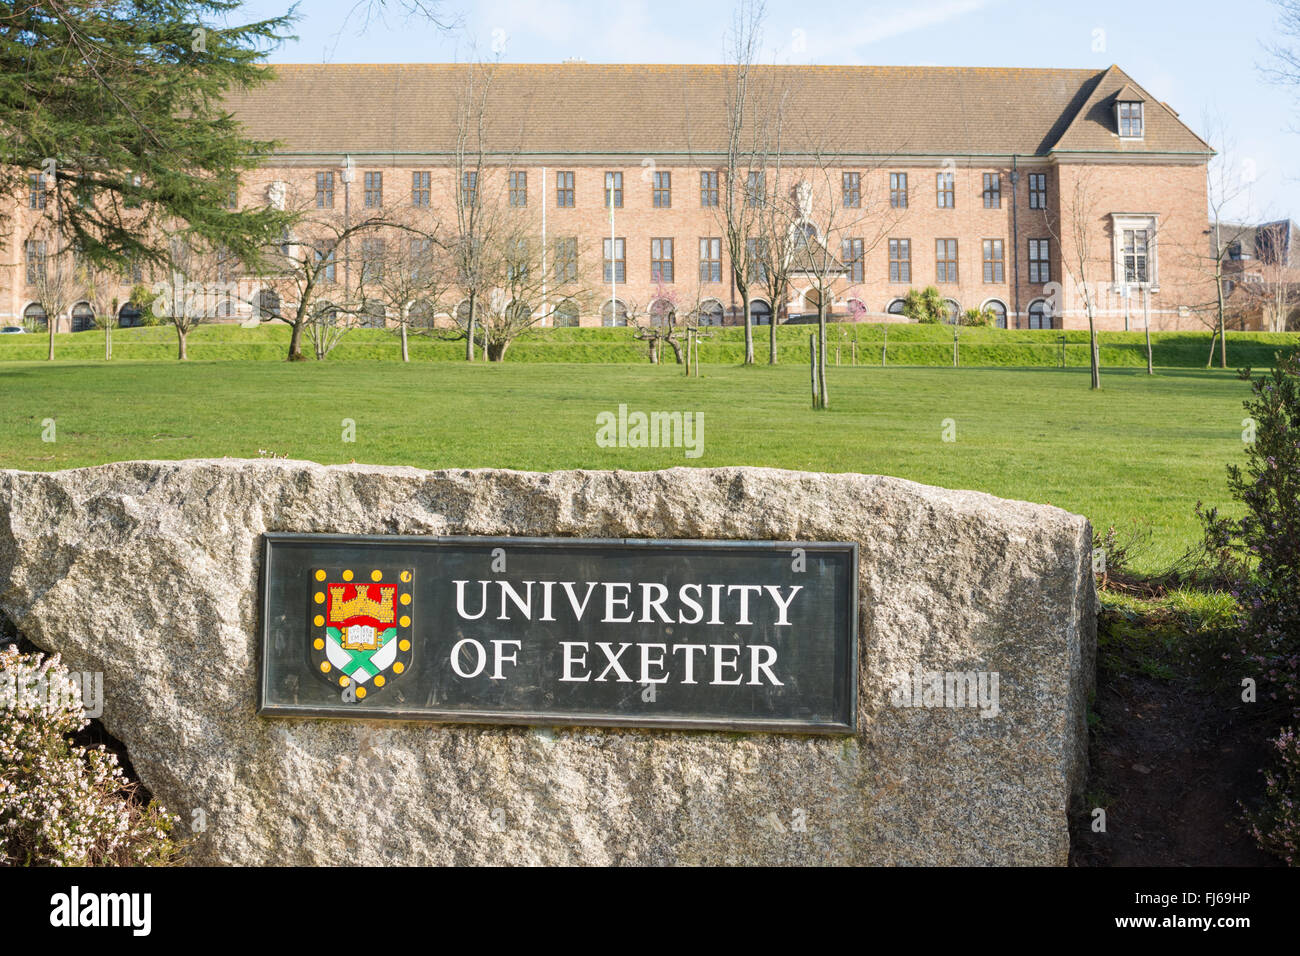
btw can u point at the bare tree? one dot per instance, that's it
(52, 273)
(414, 279)
(99, 286)
(1073, 235)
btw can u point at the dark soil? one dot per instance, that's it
(1172, 765)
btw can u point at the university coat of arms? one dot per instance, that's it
(361, 628)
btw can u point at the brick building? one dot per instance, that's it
(1001, 187)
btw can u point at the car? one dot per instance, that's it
(13, 330)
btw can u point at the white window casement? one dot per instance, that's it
(1133, 244)
(1128, 118)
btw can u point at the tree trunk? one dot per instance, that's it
(49, 324)
(495, 351)
(1146, 323)
(1093, 353)
(181, 353)
(108, 340)
(295, 342)
(821, 352)
(749, 326)
(1209, 362)
(771, 332)
(406, 353)
(469, 331)
(677, 349)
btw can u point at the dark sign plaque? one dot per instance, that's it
(735, 635)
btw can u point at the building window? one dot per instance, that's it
(615, 260)
(756, 260)
(708, 189)
(945, 260)
(564, 190)
(1130, 120)
(895, 307)
(372, 260)
(421, 191)
(36, 193)
(711, 260)
(663, 190)
(566, 259)
(992, 190)
(374, 194)
(34, 255)
(1038, 315)
(469, 188)
(418, 254)
(710, 312)
(614, 190)
(951, 310)
(852, 190)
(898, 190)
(519, 189)
(566, 315)
(517, 261)
(232, 199)
(325, 190)
(661, 260)
(993, 261)
(1136, 255)
(854, 257)
(999, 310)
(755, 187)
(900, 260)
(325, 260)
(945, 190)
(613, 312)
(760, 313)
(1038, 190)
(1040, 265)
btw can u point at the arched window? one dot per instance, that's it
(895, 307)
(1039, 318)
(661, 312)
(760, 313)
(34, 317)
(83, 317)
(710, 312)
(520, 313)
(421, 314)
(373, 314)
(566, 315)
(999, 310)
(268, 304)
(951, 309)
(613, 312)
(325, 314)
(462, 314)
(130, 315)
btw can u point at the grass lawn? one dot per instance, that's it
(1143, 449)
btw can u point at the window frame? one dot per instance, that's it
(945, 265)
(614, 186)
(1040, 261)
(421, 188)
(662, 268)
(517, 184)
(898, 190)
(992, 190)
(564, 189)
(620, 261)
(851, 189)
(661, 189)
(709, 179)
(853, 254)
(1038, 191)
(994, 253)
(373, 189)
(710, 265)
(945, 185)
(324, 189)
(900, 264)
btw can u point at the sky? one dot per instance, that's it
(1205, 59)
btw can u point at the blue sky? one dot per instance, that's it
(1189, 54)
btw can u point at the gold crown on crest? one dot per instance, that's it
(363, 605)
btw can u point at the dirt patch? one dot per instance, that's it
(1172, 765)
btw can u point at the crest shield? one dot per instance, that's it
(360, 634)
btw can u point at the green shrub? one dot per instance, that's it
(977, 317)
(62, 804)
(924, 305)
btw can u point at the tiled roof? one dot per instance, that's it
(1093, 127)
(656, 110)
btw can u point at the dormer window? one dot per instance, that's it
(1130, 119)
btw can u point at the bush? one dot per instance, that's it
(925, 305)
(62, 804)
(1267, 540)
(980, 317)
